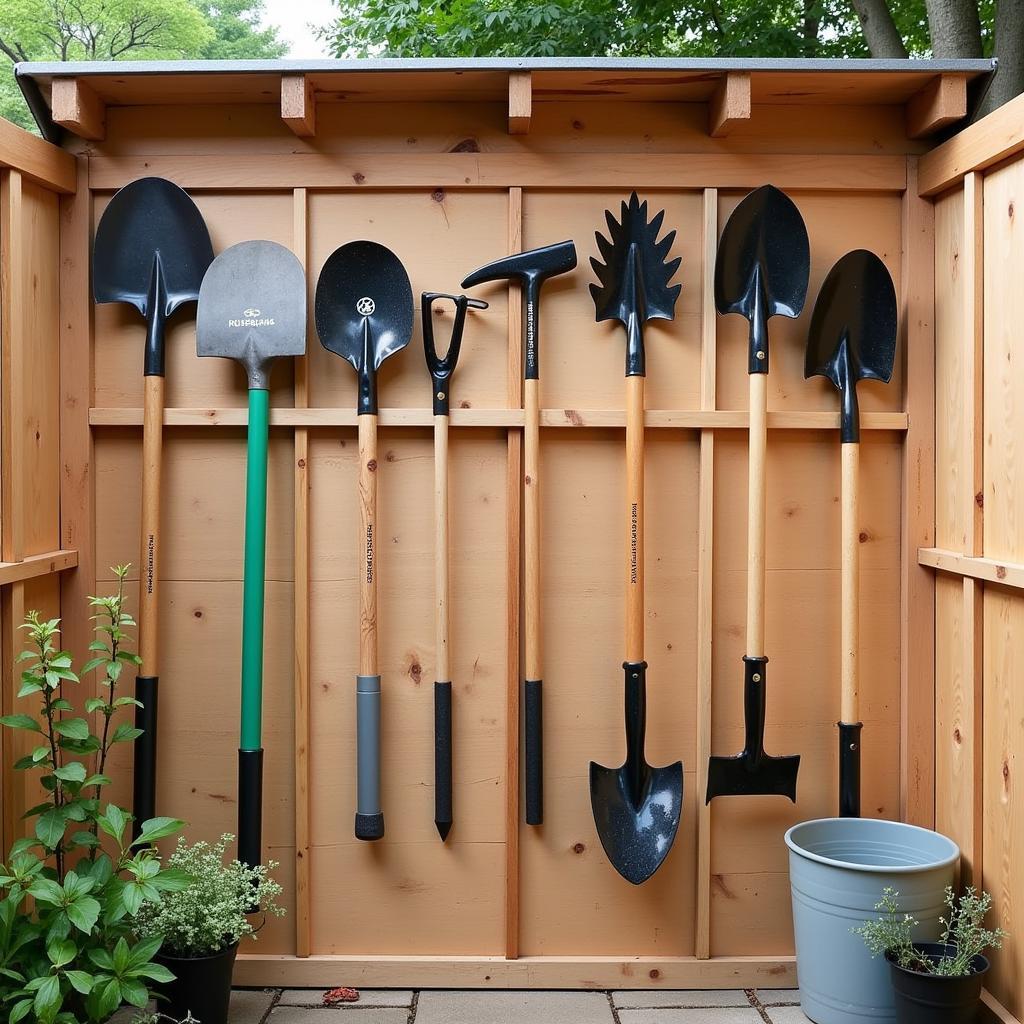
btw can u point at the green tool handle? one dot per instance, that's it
(254, 567)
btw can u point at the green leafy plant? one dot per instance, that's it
(214, 910)
(70, 892)
(964, 930)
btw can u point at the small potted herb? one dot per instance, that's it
(202, 924)
(935, 982)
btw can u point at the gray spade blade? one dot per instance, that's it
(252, 307)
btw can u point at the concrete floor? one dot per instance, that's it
(392, 1006)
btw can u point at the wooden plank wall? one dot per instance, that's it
(32, 174)
(979, 251)
(502, 903)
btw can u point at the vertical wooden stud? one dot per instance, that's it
(730, 104)
(74, 106)
(513, 554)
(298, 104)
(520, 102)
(705, 573)
(303, 899)
(917, 590)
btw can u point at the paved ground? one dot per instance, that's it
(391, 1006)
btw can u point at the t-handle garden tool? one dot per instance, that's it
(151, 251)
(252, 308)
(364, 313)
(531, 269)
(441, 370)
(762, 270)
(852, 338)
(636, 807)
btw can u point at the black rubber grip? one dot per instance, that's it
(250, 806)
(443, 757)
(849, 769)
(369, 826)
(534, 727)
(144, 776)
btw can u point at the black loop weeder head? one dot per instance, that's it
(442, 367)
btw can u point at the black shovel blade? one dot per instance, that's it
(636, 807)
(763, 264)
(364, 310)
(148, 220)
(252, 307)
(853, 330)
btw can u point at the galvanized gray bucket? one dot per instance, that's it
(838, 868)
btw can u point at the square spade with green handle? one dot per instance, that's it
(252, 307)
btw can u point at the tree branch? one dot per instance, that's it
(883, 38)
(1009, 48)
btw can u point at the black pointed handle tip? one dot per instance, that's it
(443, 828)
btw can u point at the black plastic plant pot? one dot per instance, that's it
(931, 999)
(202, 986)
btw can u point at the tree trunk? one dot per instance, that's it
(812, 26)
(955, 28)
(1009, 49)
(883, 38)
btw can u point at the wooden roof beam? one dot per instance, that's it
(298, 104)
(730, 104)
(77, 108)
(520, 102)
(941, 102)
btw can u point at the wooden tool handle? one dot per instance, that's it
(149, 563)
(368, 545)
(755, 514)
(531, 529)
(442, 671)
(634, 519)
(850, 576)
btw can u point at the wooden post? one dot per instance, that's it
(298, 104)
(520, 102)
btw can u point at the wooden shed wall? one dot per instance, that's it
(979, 725)
(448, 189)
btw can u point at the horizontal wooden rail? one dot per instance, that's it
(536, 972)
(37, 565)
(990, 570)
(811, 171)
(41, 162)
(678, 419)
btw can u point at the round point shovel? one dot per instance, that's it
(637, 807)
(852, 338)
(441, 370)
(364, 313)
(252, 308)
(151, 251)
(761, 271)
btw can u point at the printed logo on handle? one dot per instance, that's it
(365, 306)
(252, 317)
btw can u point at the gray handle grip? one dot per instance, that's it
(369, 817)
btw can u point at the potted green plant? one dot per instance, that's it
(70, 890)
(934, 982)
(201, 924)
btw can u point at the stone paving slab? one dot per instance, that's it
(478, 1007)
(322, 1015)
(249, 1006)
(367, 997)
(697, 1015)
(778, 996)
(631, 1000)
(787, 1015)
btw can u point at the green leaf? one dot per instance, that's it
(86, 839)
(96, 780)
(47, 1001)
(113, 821)
(46, 890)
(124, 701)
(122, 956)
(62, 660)
(102, 959)
(61, 952)
(81, 981)
(50, 827)
(125, 732)
(28, 687)
(62, 705)
(110, 998)
(93, 663)
(20, 1011)
(134, 992)
(21, 722)
(133, 898)
(83, 913)
(155, 972)
(72, 728)
(41, 753)
(144, 951)
(24, 763)
(158, 828)
(74, 771)
(98, 645)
